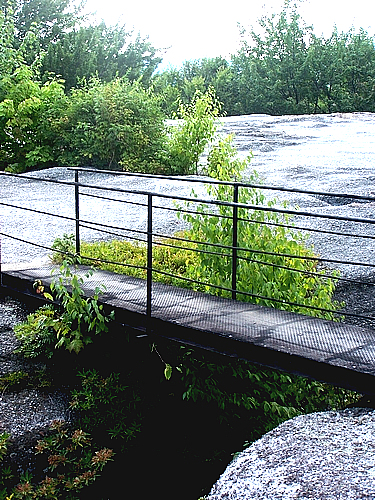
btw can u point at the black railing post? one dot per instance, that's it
(149, 256)
(234, 242)
(76, 193)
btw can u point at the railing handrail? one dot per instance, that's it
(209, 180)
(233, 214)
(201, 200)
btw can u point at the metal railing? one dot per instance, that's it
(151, 200)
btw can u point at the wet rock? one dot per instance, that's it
(330, 456)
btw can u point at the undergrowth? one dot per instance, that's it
(71, 464)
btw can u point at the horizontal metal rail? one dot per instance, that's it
(232, 254)
(208, 201)
(208, 180)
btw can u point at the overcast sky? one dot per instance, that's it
(193, 29)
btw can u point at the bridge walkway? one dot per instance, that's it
(332, 352)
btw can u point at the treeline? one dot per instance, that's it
(286, 69)
(75, 93)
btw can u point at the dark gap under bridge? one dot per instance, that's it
(333, 352)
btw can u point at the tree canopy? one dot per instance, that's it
(67, 46)
(282, 67)
(51, 17)
(101, 51)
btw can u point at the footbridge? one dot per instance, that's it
(247, 306)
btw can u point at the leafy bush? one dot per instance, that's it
(73, 327)
(105, 401)
(81, 317)
(119, 256)
(194, 133)
(72, 465)
(37, 334)
(28, 117)
(113, 125)
(263, 233)
(65, 249)
(262, 396)
(3, 444)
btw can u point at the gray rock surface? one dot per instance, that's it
(25, 415)
(333, 153)
(321, 456)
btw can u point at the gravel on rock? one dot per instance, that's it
(26, 415)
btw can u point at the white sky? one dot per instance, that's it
(194, 29)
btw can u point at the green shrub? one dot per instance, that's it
(13, 380)
(119, 256)
(105, 401)
(197, 129)
(113, 125)
(264, 397)
(3, 444)
(65, 249)
(81, 317)
(286, 279)
(72, 327)
(37, 334)
(29, 114)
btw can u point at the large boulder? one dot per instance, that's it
(329, 455)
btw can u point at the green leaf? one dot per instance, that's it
(167, 371)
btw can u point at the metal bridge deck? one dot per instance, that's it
(333, 352)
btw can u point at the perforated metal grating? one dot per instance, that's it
(333, 344)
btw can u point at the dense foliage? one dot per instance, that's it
(72, 93)
(72, 325)
(194, 133)
(101, 51)
(273, 261)
(67, 46)
(71, 464)
(113, 125)
(97, 124)
(283, 67)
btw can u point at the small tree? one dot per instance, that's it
(196, 131)
(263, 270)
(28, 116)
